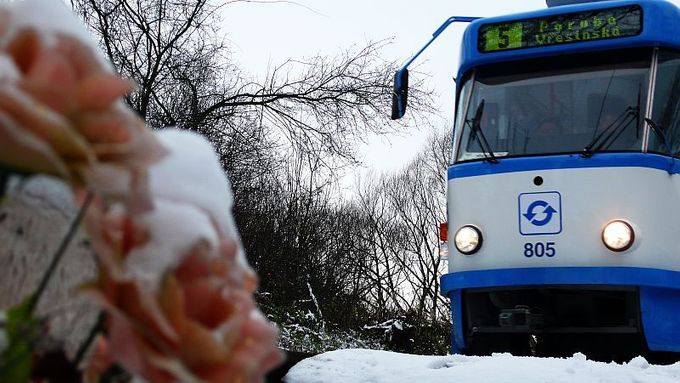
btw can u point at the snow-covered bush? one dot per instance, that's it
(305, 331)
(297, 333)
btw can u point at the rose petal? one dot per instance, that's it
(142, 149)
(52, 81)
(21, 149)
(108, 128)
(200, 347)
(224, 372)
(130, 351)
(50, 97)
(173, 367)
(140, 304)
(45, 124)
(24, 49)
(83, 59)
(98, 91)
(195, 265)
(52, 69)
(171, 300)
(205, 302)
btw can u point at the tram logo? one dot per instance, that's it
(540, 213)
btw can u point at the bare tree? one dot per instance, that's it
(322, 105)
(382, 233)
(403, 211)
(281, 141)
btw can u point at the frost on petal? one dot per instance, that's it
(198, 324)
(51, 69)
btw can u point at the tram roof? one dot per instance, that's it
(660, 28)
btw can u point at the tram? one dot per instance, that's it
(564, 188)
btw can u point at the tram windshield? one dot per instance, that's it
(587, 103)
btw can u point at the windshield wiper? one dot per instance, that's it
(476, 128)
(607, 136)
(659, 131)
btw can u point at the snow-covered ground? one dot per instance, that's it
(356, 365)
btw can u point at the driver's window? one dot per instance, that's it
(666, 114)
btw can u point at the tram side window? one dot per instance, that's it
(666, 113)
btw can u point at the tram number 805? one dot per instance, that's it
(539, 249)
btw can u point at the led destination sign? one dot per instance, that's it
(559, 29)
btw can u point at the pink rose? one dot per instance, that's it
(200, 324)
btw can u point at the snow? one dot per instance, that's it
(54, 17)
(180, 222)
(358, 365)
(192, 202)
(192, 173)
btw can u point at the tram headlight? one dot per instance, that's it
(618, 235)
(468, 239)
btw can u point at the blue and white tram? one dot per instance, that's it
(564, 192)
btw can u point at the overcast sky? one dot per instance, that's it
(264, 34)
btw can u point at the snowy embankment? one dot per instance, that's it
(356, 365)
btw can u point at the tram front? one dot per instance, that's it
(563, 195)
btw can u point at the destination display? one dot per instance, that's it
(584, 26)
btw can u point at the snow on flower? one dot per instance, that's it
(60, 105)
(175, 178)
(200, 324)
(180, 299)
(52, 18)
